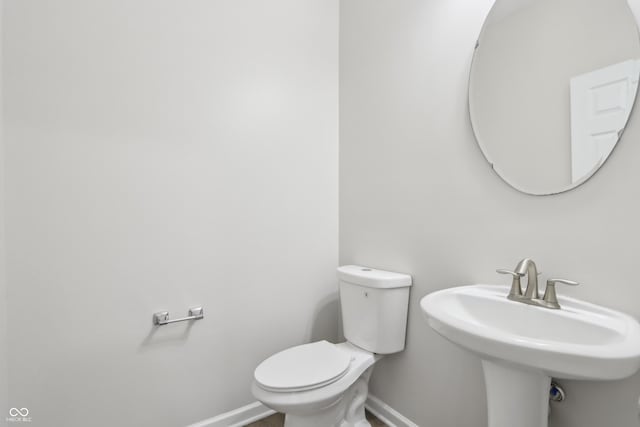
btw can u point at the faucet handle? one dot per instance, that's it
(505, 271)
(516, 288)
(550, 298)
(563, 281)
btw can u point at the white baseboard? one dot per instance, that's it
(387, 414)
(257, 411)
(238, 417)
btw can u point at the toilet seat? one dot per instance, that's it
(304, 367)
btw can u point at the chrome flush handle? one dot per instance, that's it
(516, 288)
(550, 299)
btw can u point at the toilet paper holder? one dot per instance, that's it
(162, 317)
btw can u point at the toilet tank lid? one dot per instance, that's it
(372, 278)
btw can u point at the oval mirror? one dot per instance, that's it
(551, 88)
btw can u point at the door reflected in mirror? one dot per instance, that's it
(551, 89)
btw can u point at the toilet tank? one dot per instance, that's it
(374, 308)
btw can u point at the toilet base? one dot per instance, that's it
(348, 411)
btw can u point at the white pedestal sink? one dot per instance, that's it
(523, 346)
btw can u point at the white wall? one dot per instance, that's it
(162, 155)
(417, 196)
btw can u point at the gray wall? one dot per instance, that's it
(162, 155)
(417, 196)
(3, 285)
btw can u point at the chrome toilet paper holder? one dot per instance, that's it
(162, 317)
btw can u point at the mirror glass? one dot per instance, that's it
(551, 89)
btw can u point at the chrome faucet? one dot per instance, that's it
(528, 267)
(531, 295)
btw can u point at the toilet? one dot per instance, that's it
(323, 384)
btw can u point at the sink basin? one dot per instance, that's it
(523, 346)
(579, 341)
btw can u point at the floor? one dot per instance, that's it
(277, 420)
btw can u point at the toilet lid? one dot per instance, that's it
(304, 367)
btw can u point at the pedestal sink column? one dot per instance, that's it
(515, 396)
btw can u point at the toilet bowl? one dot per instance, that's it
(329, 388)
(321, 384)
